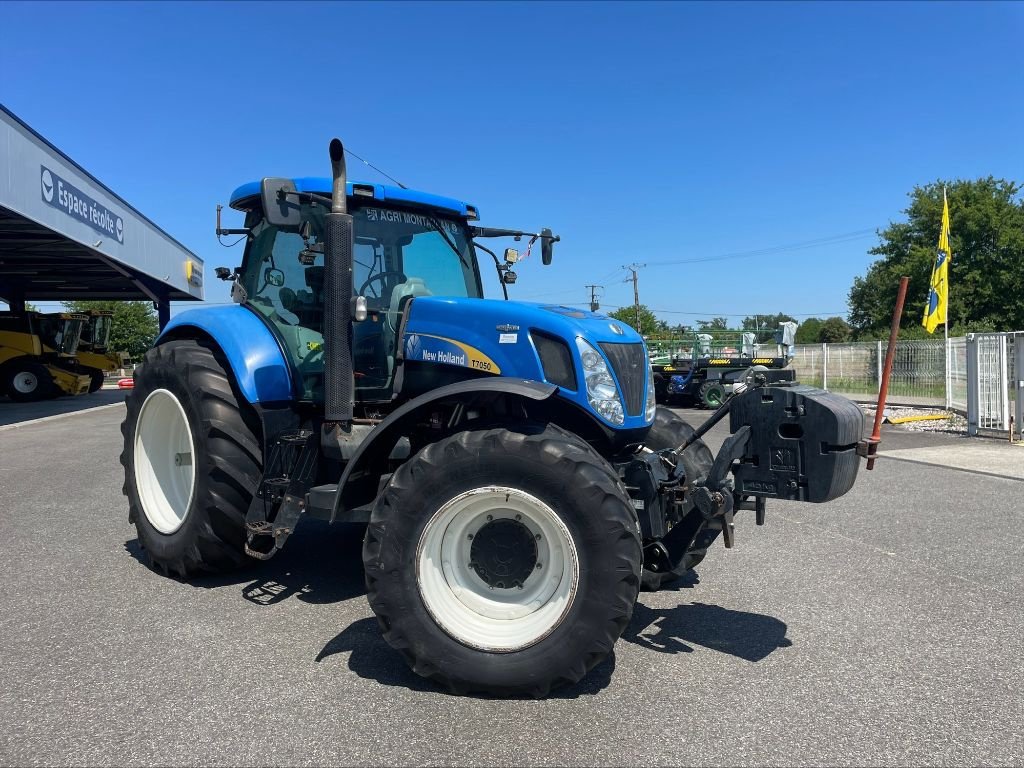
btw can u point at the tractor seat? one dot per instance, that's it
(400, 297)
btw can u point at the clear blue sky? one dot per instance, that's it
(638, 132)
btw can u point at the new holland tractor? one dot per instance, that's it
(518, 481)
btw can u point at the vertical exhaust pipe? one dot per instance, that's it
(339, 380)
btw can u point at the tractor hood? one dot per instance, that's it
(502, 337)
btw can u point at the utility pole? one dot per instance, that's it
(594, 306)
(636, 293)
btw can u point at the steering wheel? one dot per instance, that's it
(381, 276)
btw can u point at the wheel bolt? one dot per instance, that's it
(490, 517)
(538, 537)
(519, 517)
(538, 566)
(470, 536)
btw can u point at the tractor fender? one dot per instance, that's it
(253, 352)
(375, 449)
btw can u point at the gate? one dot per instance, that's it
(988, 396)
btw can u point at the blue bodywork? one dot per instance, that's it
(255, 356)
(483, 335)
(501, 331)
(247, 196)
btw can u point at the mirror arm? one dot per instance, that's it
(516, 233)
(497, 266)
(221, 231)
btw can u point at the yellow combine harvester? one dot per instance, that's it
(94, 356)
(37, 355)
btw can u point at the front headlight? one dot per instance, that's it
(601, 390)
(652, 404)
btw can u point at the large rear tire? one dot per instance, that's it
(28, 381)
(192, 459)
(503, 561)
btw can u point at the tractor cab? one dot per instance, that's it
(96, 331)
(406, 245)
(59, 332)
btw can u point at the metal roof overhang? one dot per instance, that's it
(39, 264)
(64, 235)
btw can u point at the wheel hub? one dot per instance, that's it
(25, 382)
(504, 553)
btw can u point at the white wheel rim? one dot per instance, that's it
(164, 461)
(458, 598)
(26, 382)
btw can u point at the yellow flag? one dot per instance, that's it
(935, 310)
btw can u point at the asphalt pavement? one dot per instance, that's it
(883, 628)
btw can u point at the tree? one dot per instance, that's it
(834, 330)
(765, 322)
(648, 322)
(133, 328)
(809, 331)
(714, 324)
(987, 240)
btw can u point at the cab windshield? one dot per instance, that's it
(399, 255)
(59, 333)
(96, 333)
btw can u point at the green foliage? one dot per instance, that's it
(715, 323)
(133, 328)
(649, 324)
(765, 322)
(809, 331)
(834, 330)
(987, 239)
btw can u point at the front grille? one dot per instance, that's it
(629, 363)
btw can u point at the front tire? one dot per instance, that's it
(192, 459)
(28, 381)
(96, 378)
(503, 561)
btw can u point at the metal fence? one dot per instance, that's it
(986, 374)
(918, 370)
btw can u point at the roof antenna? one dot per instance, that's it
(378, 170)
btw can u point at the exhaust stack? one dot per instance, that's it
(339, 381)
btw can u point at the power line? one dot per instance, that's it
(771, 250)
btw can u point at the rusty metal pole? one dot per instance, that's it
(883, 391)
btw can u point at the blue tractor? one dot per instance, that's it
(518, 481)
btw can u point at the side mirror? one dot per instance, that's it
(511, 255)
(274, 277)
(280, 203)
(223, 273)
(547, 245)
(509, 277)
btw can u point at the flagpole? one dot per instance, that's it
(945, 325)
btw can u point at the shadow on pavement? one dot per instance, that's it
(749, 636)
(320, 564)
(372, 659)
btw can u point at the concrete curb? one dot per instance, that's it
(57, 416)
